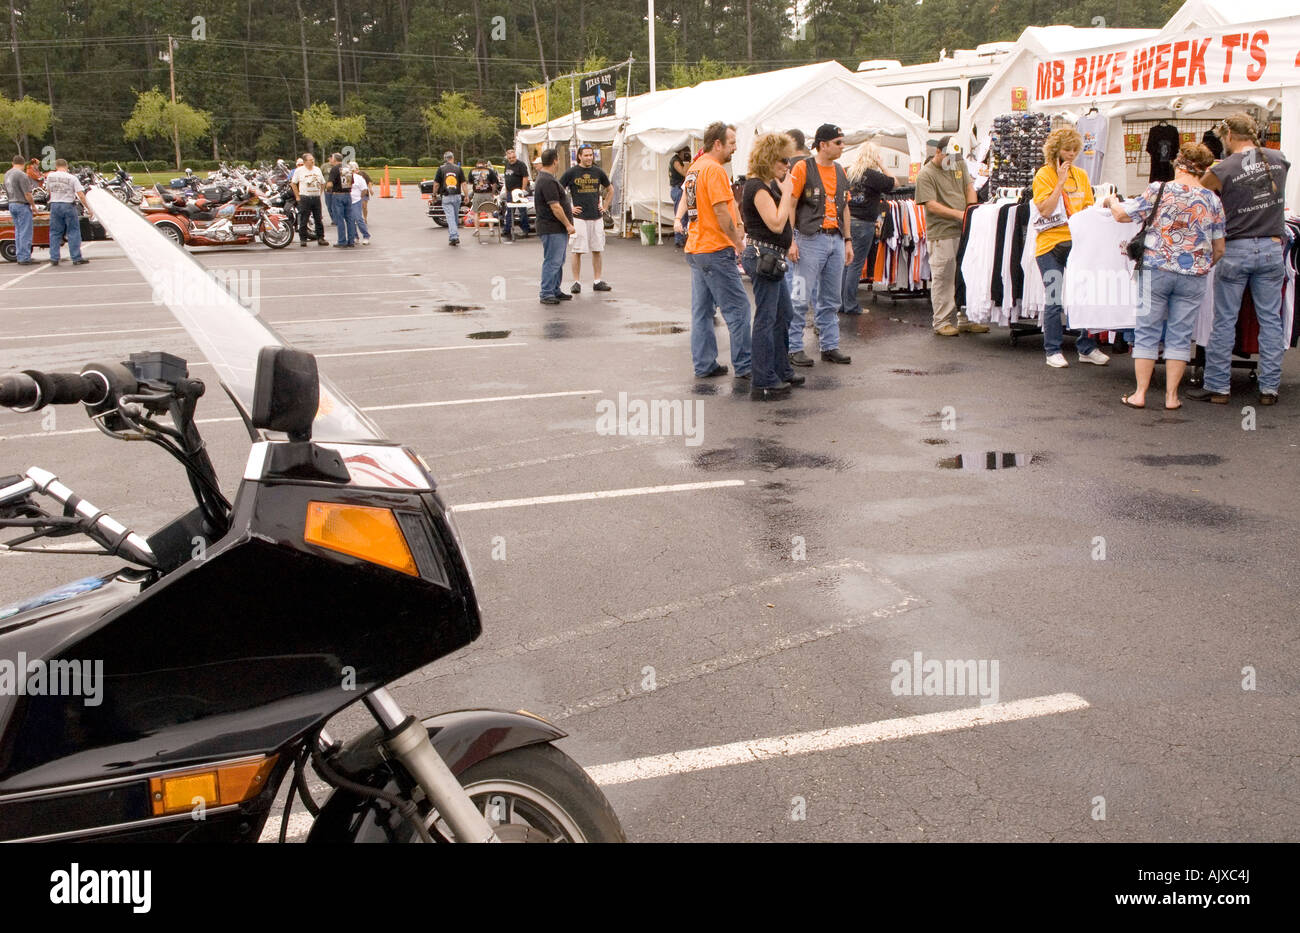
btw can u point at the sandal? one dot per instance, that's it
(1124, 400)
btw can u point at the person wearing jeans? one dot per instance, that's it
(65, 189)
(867, 182)
(1061, 188)
(818, 282)
(554, 227)
(766, 209)
(715, 281)
(822, 242)
(1251, 182)
(356, 208)
(449, 181)
(1183, 240)
(18, 186)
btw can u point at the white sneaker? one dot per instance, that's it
(366, 241)
(1096, 357)
(1057, 361)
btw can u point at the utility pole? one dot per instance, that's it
(653, 83)
(171, 73)
(18, 67)
(338, 47)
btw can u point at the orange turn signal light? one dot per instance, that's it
(361, 531)
(217, 786)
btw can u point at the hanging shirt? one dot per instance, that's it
(1162, 146)
(1094, 130)
(1100, 291)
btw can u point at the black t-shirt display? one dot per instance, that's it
(584, 185)
(449, 178)
(1213, 143)
(484, 181)
(755, 228)
(516, 173)
(548, 191)
(1162, 146)
(864, 195)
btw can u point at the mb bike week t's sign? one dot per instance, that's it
(598, 95)
(1203, 60)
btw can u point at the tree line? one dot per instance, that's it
(267, 77)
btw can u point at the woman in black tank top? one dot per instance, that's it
(767, 209)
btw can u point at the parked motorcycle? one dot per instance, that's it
(219, 216)
(241, 628)
(123, 187)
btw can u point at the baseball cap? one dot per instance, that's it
(826, 132)
(940, 143)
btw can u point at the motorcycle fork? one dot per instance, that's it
(407, 740)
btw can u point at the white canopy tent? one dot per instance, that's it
(804, 97)
(1125, 96)
(1021, 66)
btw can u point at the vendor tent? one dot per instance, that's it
(804, 97)
(1019, 70)
(1184, 73)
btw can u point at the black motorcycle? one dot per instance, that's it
(282, 197)
(171, 699)
(123, 186)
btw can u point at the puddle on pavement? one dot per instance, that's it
(1167, 509)
(1164, 460)
(704, 388)
(488, 335)
(934, 441)
(909, 372)
(989, 460)
(943, 369)
(458, 309)
(653, 328)
(765, 454)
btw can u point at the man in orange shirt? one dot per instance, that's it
(712, 245)
(822, 245)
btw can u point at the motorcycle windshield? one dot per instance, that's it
(228, 333)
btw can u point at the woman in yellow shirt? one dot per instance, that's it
(1061, 188)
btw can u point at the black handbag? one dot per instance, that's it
(1136, 247)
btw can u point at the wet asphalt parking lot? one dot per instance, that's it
(727, 631)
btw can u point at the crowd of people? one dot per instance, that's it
(65, 190)
(346, 190)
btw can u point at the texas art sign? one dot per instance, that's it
(1199, 61)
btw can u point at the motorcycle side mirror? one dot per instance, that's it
(286, 393)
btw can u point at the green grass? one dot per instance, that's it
(409, 174)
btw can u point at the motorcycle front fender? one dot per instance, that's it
(463, 738)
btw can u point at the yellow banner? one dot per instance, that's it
(532, 106)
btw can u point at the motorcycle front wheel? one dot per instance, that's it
(277, 237)
(537, 794)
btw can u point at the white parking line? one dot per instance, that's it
(598, 494)
(141, 283)
(825, 740)
(475, 401)
(468, 346)
(454, 401)
(703, 602)
(151, 330)
(727, 661)
(371, 294)
(18, 278)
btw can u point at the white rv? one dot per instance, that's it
(938, 92)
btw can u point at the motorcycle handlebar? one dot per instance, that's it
(31, 389)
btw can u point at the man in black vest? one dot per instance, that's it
(821, 245)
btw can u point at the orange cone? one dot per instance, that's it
(399, 189)
(384, 191)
